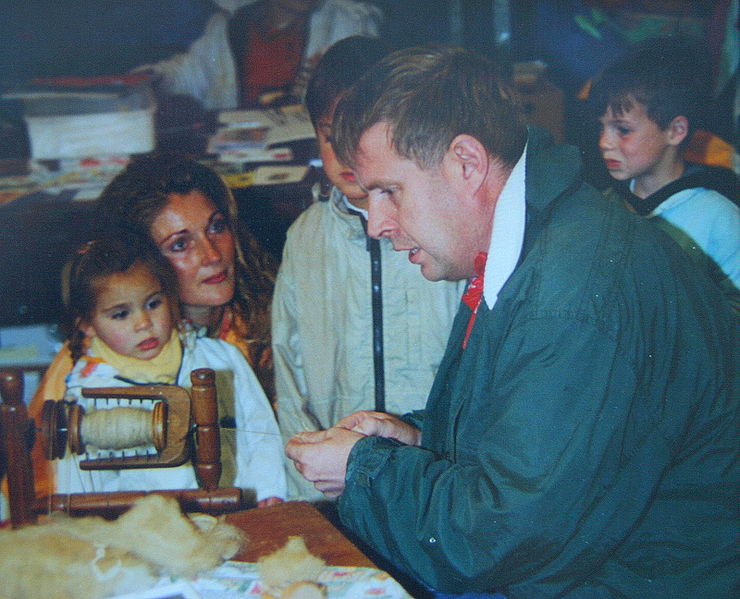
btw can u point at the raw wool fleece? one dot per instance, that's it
(92, 558)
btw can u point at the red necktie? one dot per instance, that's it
(474, 292)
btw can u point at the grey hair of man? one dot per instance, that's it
(428, 95)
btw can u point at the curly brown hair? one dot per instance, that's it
(136, 196)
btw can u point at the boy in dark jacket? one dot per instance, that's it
(650, 101)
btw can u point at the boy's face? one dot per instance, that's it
(132, 315)
(338, 173)
(633, 146)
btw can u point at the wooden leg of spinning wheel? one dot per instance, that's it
(207, 461)
(16, 430)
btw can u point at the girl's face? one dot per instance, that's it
(197, 240)
(132, 315)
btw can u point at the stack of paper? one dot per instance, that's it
(260, 135)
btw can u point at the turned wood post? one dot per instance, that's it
(207, 461)
(16, 431)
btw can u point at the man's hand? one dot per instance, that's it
(269, 501)
(321, 457)
(380, 424)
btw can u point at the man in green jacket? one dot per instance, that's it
(580, 438)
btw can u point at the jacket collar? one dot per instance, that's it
(507, 233)
(353, 220)
(551, 169)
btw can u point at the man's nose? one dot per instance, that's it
(379, 221)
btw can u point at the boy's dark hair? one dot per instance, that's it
(338, 70)
(101, 258)
(670, 76)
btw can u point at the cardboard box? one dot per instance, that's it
(97, 121)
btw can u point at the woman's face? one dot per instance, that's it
(197, 240)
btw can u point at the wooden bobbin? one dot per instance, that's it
(61, 426)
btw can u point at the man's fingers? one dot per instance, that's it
(354, 419)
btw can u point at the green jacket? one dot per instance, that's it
(585, 443)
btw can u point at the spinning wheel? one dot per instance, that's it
(176, 425)
(163, 426)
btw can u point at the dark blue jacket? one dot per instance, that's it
(585, 443)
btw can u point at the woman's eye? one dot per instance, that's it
(155, 303)
(623, 130)
(178, 245)
(219, 226)
(119, 315)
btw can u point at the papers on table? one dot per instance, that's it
(266, 175)
(261, 129)
(234, 580)
(83, 179)
(247, 141)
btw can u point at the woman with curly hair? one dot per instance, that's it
(225, 279)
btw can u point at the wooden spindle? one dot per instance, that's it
(207, 462)
(17, 437)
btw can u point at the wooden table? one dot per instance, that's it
(268, 529)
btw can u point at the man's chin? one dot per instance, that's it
(430, 273)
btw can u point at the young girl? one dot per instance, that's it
(122, 301)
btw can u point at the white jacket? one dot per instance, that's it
(322, 326)
(207, 71)
(252, 454)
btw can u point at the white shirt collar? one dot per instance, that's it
(507, 234)
(352, 208)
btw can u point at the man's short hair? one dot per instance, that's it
(670, 76)
(429, 95)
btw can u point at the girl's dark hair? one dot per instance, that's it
(136, 196)
(101, 258)
(339, 68)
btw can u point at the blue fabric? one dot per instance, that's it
(439, 595)
(468, 596)
(94, 37)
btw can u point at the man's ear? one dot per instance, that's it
(677, 130)
(467, 159)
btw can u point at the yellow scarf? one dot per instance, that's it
(161, 369)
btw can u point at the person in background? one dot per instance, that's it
(650, 101)
(354, 326)
(225, 278)
(580, 437)
(263, 54)
(121, 296)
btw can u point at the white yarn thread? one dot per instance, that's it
(117, 428)
(99, 574)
